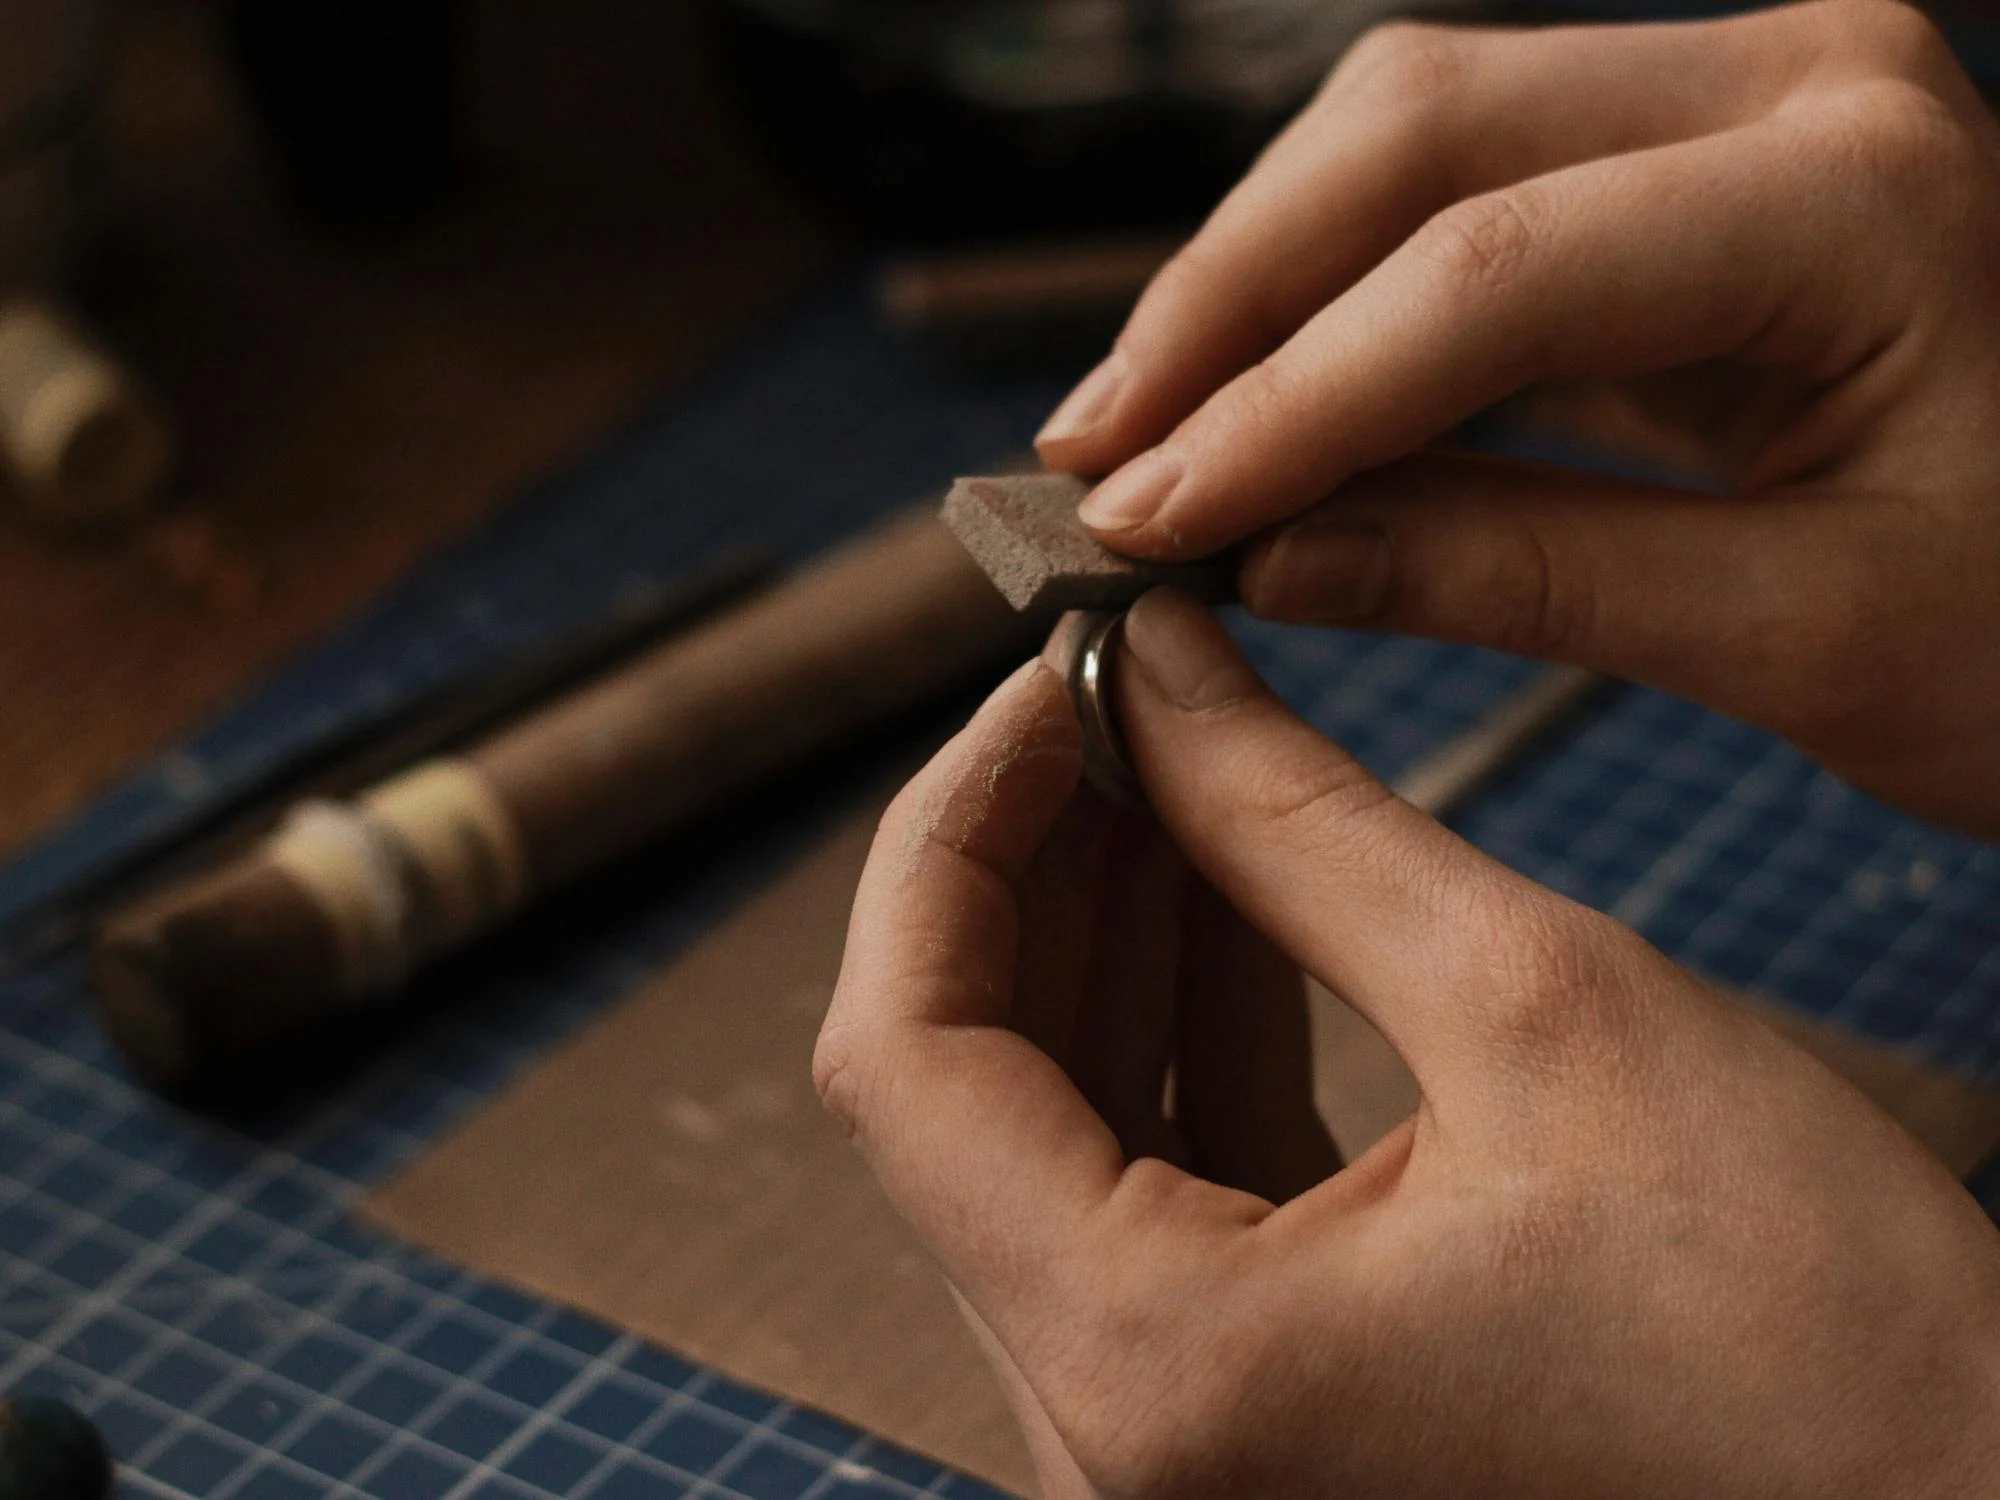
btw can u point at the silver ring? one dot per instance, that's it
(1104, 761)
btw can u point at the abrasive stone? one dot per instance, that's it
(1022, 529)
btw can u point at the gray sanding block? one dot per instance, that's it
(1022, 529)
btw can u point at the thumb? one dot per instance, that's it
(1718, 599)
(1469, 970)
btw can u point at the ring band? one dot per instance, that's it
(1104, 763)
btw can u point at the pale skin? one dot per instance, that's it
(1630, 1243)
(1779, 235)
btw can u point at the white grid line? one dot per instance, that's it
(146, 1399)
(319, 1405)
(1645, 896)
(376, 1353)
(759, 1432)
(680, 1399)
(574, 1390)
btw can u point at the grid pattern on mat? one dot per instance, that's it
(199, 1286)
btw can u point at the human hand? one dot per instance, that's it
(1780, 231)
(1630, 1243)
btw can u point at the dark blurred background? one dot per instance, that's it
(297, 291)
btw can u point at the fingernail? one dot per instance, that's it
(1011, 683)
(1320, 574)
(1022, 712)
(1133, 495)
(1013, 693)
(1020, 751)
(1182, 650)
(1084, 408)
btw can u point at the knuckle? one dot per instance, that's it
(1311, 795)
(1538, 608)
(1184, 282)
(1888, 35)
(838, 1069)
(1835, 658)
(1263, 400)
(1489, 574)
(1401, 65)
(1201, 286)
(1407, 81)
(1481, 245)
(1894, 138)
(1147, 1190)
(1550, 972)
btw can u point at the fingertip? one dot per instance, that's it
(1158, 544)
(1114, 415)
(1033, 689)
(1092, 455)
(1183, 653)
(1164, 604)
(1066, 640)
(1165, 506)
(1125, 510)
(995, 789)
(1087, 410)
(1157, 541)
(1028, 723)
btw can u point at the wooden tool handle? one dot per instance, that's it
(344, 900)
(1011, 283)
(84, 442)
(867, 632)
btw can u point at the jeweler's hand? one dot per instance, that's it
(1779, 233)
(1630, 1244)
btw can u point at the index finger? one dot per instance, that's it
(1415, 117)
(1738, 244)
(979, 1139)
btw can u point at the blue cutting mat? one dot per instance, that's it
(200, 1288)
